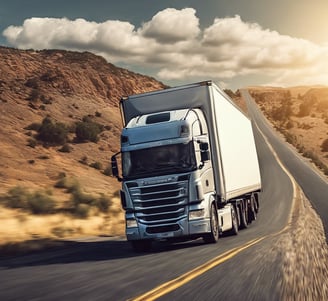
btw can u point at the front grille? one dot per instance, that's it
(162, 229)
(160, 204)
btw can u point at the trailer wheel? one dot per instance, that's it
(140, 246)
(252, 209)
(257, 202)
(243, 216)
(234, 218)
(213, 236)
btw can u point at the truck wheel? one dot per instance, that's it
(252, 209)
(140, 246)
(257, 203)
(243, 216)
(234, 219)
(213, 236)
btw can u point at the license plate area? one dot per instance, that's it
(166, 234)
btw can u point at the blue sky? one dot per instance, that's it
(235, 43)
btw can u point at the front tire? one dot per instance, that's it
(213, 236)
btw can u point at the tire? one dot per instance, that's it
(234, 218)
(252, 209)
(213, 236)
(257, 203)
(243, 216)
(140, 246)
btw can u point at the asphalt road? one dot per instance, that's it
(313, 184)
(107, 268)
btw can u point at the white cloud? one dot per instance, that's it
(171, 25)
(173, 44)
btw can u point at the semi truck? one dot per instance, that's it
(188, 165)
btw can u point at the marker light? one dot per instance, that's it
(184, 130)
(131, 223)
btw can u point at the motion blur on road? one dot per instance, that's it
(107, 268)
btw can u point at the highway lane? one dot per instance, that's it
(313, 184)
(107, 269)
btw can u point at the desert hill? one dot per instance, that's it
(61, 90)
(301, 115)
(66, 86)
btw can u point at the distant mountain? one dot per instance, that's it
(68, 88)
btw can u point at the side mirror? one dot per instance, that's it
(115, 167)
(204, 153)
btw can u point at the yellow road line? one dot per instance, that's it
(183, 279)
(290, 176)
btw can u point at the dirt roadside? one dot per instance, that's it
(304, 251)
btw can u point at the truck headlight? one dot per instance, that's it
(131, 223)
(196, 214)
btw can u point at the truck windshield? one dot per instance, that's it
(159, 160)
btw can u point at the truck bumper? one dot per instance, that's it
(185, 228)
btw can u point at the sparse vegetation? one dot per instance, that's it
(96, 165)
(285, 112)
(108, 171)
(34, 95)
(47, 81)
(80, 202)
(66, 148)
(31, 142)
(39, 202)
(84, 160)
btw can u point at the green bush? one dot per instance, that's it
(35, 126)
(17, 197)
(80, 202)
(52, 133)
(34, 95)
(87, 131)
(96, 165)
(78, 197)
(39, 202)
(103, 203)
(108, 171)
(71, 185)
(82, 210)
(84, 160)
(66, 148)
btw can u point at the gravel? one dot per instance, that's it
(304, 251)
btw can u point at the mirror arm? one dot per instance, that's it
(115, 167)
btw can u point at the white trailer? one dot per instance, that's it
(210, 180)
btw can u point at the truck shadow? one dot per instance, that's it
(64, 252)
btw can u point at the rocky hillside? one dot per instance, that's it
(68, 88)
